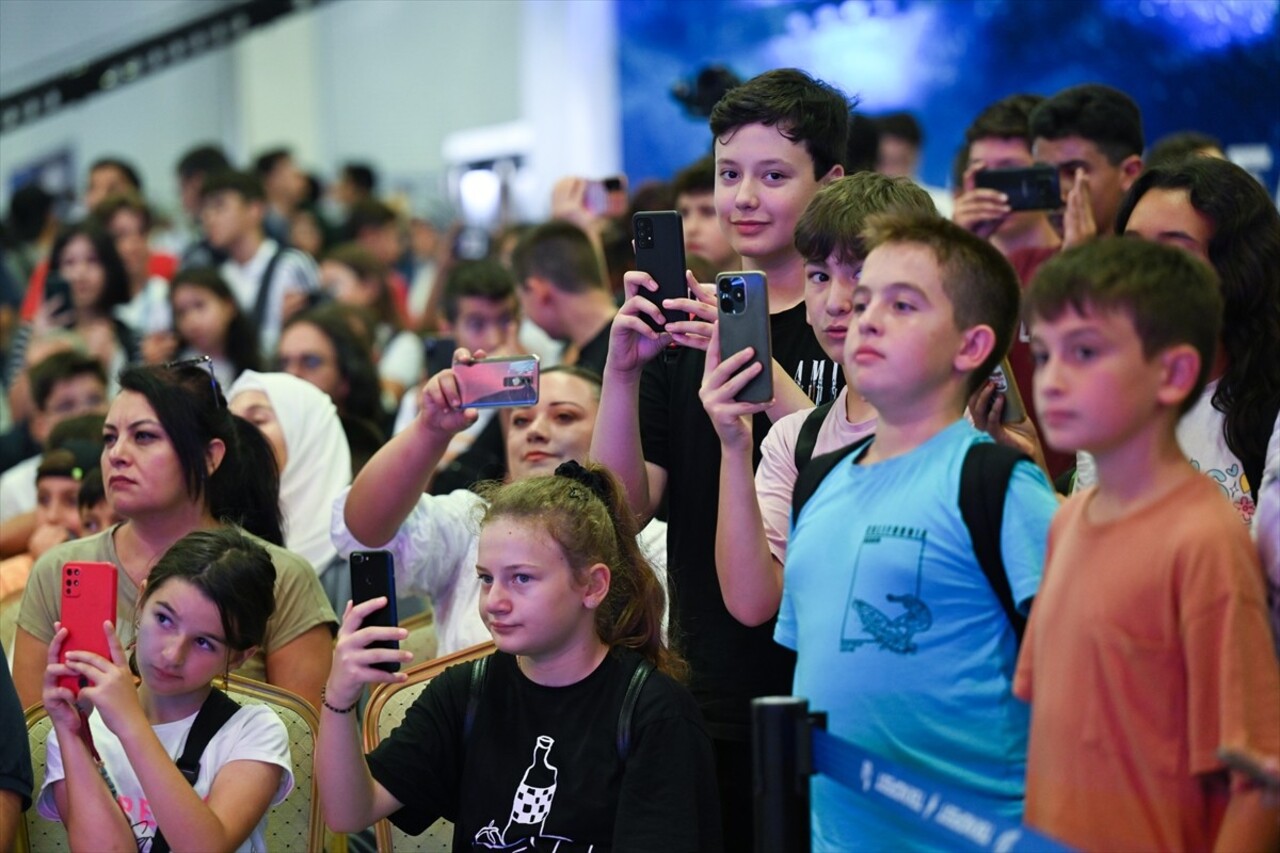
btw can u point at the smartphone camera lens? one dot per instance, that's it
(739, 293)
(726, 305)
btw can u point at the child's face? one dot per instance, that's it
(487, 324)
(80, 266)
(97, 518)
(1094, 387)
(201, 318)
(828, 301)
(180, 643)
(903, 342)
(227, 217)
(79, 395)
(702, 234)
(128, 230)
(1107, 182)
(529, 598)
(56, 503)
(763, 183)
(1168, 217)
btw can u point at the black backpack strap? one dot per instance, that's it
(807, 440)
(217, 709)
(479, 668)
(643, 670)
(984, 482)
(811, 475)
(264, 288)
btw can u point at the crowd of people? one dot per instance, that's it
(228, 422)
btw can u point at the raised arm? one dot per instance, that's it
(391, 483)
(750, 576)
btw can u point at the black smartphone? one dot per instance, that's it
(58, 288)
(660, 253)
(743, 300)
(437, 352)
(373, 574)
(1032, 188)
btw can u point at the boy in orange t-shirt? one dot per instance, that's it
(1148, 648)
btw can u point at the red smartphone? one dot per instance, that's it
(88, 600)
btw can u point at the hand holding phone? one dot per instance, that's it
(660, 253)
(88, 600)
(607, 196)
(373, 575)
(1032, 188)
(506, 381)
(1014, 409)
(743, 302)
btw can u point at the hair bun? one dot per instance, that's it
(591, 479)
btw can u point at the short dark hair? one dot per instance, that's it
(698, 177)
(1168, 150)
(124, 167)
(362, 175)
(902, 125)
(247, 185)
(29, 210)
(483, 279)
(92, 492)
(115, 289)
(45, 374)
(1007, 118)
(834, 220)
(106, 209)
(366, 267)
(803, 109)
(863, 148)
(229, 569)
(1171, 296)
(266, 162)
(982, 286)
(369, 213)
(1107, 117)
(78, 431)
(203, 160)
(561, 253)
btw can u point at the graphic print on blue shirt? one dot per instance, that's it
(882, 612)
(530, 806)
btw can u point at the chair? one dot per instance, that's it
(294, 824)
(386, 709)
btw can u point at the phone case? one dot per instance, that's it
(493, 382)
(1014, 409)
(88, 600)
(660, 253)
(1033, 188)
(743, 299)
(372, 575)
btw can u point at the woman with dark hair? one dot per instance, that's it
(207, 320)
(86, 281)
(176, 460)
(1220, 213)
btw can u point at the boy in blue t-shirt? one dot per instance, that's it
(898, 634)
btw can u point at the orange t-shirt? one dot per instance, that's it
(1148, 648)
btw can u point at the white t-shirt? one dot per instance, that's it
(18, 488)
(254, 733)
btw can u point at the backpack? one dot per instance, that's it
(984, 481)
(643, 670)
(217, 709)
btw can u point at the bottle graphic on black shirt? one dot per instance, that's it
(533, 798)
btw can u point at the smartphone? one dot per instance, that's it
(743, 299)
(1014, 409)
(660, 253)
(1032, 188)
(88, 600)
(58, 288)
(437, 352)
(1250, 767)
(494, 382)
(373, 574)
(607, 196)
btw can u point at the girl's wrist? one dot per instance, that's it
(336, 703)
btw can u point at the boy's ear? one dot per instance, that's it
(1179, 370)
(213, 455)
(596, 588)
(976, 344)
(539, 288)
(836, 171)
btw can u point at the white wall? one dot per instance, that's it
(380, 80)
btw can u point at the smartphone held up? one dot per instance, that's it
(373, 574)
(660, 253)
(88, 600)
(743, 302)
(506, 381)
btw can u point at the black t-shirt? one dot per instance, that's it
(540, 768)
(731, 663)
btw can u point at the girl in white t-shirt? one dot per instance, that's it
(111, 777)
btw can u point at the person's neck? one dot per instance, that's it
(243, 250)
(142, 540)
(1038, 234)
(1138, 471)
(169, 709)
(784, 273)
(588, 315)
(856, 408)
(568, 666)
(901, 429)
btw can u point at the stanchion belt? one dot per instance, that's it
(954, 817)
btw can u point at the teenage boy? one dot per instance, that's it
(695, 188)
(778, 139)
(1149, 648)
(1093, 135)
(755, 513)
(899, 634)
(270, 282)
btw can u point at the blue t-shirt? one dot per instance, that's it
(899, 636)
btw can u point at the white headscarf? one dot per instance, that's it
(319, 463)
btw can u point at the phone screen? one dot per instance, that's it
(498, 382)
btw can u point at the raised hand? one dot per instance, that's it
(353, 659)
